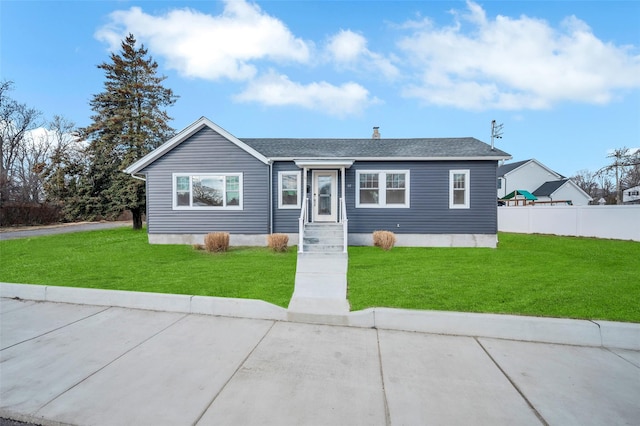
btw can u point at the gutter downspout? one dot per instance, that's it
(505, 186)
(144, 179)
(146, 197)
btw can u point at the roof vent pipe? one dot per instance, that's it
(376, 133)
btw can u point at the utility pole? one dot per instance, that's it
(496, 132)
(617, 154)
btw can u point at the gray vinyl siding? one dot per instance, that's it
(429, 192)
(284, 220)
(207, 152)
(429, 212)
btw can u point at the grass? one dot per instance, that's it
(122, 259)
(527, 275)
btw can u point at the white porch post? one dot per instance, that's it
(303, 212)
(304, 193)
(343, 193)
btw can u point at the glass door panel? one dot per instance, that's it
(325, 197)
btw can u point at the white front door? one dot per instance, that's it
(325, 196)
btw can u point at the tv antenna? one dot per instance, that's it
(496, 132)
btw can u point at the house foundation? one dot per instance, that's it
(364, 239)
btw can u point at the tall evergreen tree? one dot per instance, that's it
(130, 120)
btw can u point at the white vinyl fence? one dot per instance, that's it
(616, 222)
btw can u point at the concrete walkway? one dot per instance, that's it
(321, 284)
(99, 365)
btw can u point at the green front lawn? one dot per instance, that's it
(122, 259)
(527, 274)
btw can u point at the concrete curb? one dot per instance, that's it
(221, 306)
(509, 327)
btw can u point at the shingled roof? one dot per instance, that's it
(506, 168)
(548, 188)
(420, 148)
(267, 150)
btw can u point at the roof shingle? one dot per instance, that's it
(466, 147)
(548, 188)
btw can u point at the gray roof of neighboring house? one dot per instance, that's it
(374, 148)
(549, 188)
(506, 168)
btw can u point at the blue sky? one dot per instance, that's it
(563, 76)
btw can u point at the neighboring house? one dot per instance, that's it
(429, 192)
(631, 195)
(562, 190)
(536, 178)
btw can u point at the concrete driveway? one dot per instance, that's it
(101, 365)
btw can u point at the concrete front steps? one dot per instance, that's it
(323, 238)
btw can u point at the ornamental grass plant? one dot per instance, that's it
(216, 242)
(384, 239)
(278, 242)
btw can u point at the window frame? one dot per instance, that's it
(467, 189)
(298, 175)
(382, 189)
(191, 175)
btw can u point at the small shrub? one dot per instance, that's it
(216, 241)
(384, 239)
(278, 242)
(198, 247)
(15, 213)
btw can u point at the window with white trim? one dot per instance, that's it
(459, 189)
(382, 189)
(289, 190)
(207, 191)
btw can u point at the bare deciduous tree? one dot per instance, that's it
(65, 161)
(631, 177)
(588, 182)
(16, 120)
(625, 163)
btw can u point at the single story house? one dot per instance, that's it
(545, 184)
(562, 190)
(428, 191)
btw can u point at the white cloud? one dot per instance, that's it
(349, 50)
(210, 47)
(347, 47)
(514, 63)
(278, 90)
(477, 62)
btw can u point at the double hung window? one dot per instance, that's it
(380, 189)
(207, 191)
(459, 189)
(289, 188)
